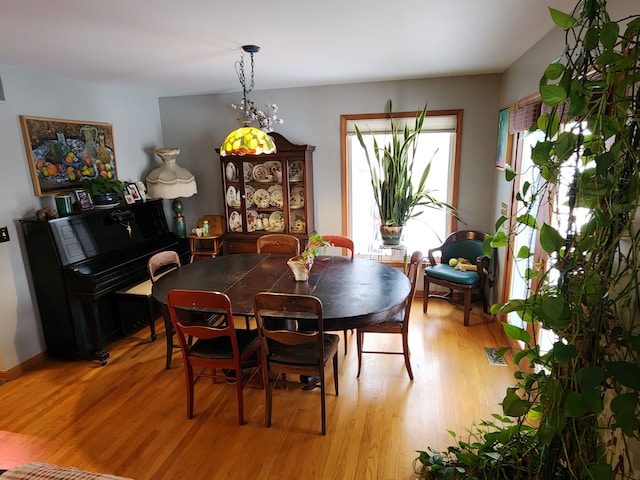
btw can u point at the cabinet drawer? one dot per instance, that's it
(239, 246)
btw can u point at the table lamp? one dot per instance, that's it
(173, 182)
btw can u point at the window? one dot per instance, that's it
(438, 142)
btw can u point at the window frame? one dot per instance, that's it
(452, 225)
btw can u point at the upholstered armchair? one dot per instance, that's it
(469, 277)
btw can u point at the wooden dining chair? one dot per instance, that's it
(398, 324)
(346, 243)
(278, 243)
(304, 350)
(465, 244)
(219, 352)
(158, 265)
(340, 241)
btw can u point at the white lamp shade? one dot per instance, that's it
(170, 180)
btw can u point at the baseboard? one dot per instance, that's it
(30, 364)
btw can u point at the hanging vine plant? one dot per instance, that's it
(574, 412)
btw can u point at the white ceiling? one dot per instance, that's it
(183, 47)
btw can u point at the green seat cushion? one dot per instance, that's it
(450, 274)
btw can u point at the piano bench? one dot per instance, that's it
(137, 307)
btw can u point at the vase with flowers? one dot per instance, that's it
(301, 264)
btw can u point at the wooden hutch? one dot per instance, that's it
(268, 194)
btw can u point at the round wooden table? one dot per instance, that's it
(354, 293)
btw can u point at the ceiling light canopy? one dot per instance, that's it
(247, 140)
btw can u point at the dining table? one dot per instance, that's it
(354, 292)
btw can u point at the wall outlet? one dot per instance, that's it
(4, 234)
(503, 208)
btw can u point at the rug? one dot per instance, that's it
(493, 358)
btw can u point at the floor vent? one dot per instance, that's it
(493, 358)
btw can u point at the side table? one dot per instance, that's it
(389, 253)
(201, 246)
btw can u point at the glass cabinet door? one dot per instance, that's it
(264, 196)
(233, 197)
(297, 204)
(268, 194)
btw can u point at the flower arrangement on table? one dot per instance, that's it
(301, 264)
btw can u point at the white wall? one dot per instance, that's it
(198, 125)
(136, 125)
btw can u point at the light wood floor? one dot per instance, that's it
(129, 417)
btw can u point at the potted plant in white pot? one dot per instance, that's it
(301, 264)
(395, 190)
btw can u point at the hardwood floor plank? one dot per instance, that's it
(129, 417)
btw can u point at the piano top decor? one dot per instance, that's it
(64, 153)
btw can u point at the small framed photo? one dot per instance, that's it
(132, 190)
(84, 200)
(129, 198)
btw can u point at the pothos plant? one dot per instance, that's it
(574, 412)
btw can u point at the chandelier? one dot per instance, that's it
(247, 140)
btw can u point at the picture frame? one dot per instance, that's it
(84, 200)
(129, 198)
(503, 149)
(132, 189)
(63, 153)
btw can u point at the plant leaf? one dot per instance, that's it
(575, 405)
(564, 353)
(609, 35)
(554, 71)
(550, 240)
(552, 95)
(561, 19)
(516, 333)
(590, 377)
(626, 373)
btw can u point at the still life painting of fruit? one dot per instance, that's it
(64, 153)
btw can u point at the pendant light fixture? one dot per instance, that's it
(247, 140)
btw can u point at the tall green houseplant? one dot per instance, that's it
(392, 176)
(574, 412)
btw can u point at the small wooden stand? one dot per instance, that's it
(204, 246)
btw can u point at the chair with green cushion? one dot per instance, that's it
(465, 244)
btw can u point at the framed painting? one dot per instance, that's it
(503, 151)
(63, 153)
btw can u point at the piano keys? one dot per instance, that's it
(78, 263)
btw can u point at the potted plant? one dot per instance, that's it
(574, 411)
(103, 190)
(392, 177)
(301, 264)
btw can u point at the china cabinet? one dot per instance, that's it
(268, 194)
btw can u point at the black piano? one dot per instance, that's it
(79, 262)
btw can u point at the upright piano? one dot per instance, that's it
(77, 264)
